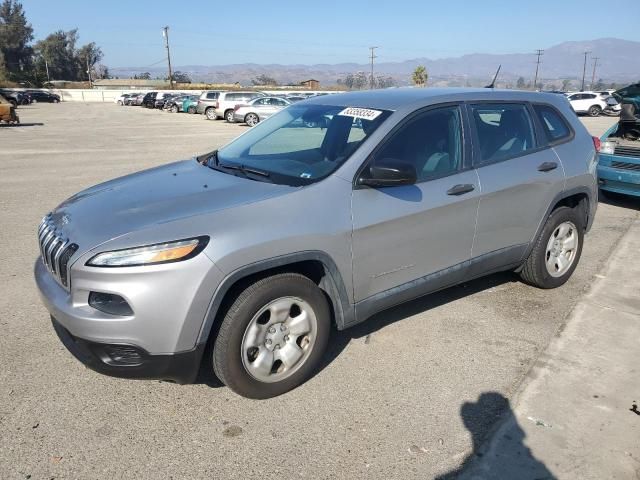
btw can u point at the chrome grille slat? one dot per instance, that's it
(56, 251)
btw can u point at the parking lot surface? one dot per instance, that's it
(386, 404)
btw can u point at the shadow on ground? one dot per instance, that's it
(619, 200)
(499, 452)
(18, 125)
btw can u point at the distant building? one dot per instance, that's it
(130, 84)
(311, 84)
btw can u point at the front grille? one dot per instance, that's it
(56, 251)
(626, 166)
(626, 151)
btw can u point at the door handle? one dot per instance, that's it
(547, 166)
(461, 189)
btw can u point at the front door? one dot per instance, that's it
(402, 234)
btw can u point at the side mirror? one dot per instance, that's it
(389, 172)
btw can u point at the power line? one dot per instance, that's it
(372, 57)
(539, 53)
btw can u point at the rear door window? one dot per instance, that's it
(553, 124)
(504, 130)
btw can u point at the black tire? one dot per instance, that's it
(210, 113)
(594, 110)
(174, 108)
(228, 116)
(534, 271)
(227, 350)
(191, 109)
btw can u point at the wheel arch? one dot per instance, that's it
(580, 197)
(318, 266)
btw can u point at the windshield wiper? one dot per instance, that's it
(243, 169)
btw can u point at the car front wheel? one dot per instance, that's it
(595, 110)
(273, 336)
(557, 250)
(210, 113)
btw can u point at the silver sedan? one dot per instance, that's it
(258, 109)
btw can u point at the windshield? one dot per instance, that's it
(302, 143)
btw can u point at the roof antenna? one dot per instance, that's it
(495, 77)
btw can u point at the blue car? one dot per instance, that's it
(629, 94)
(619, 164)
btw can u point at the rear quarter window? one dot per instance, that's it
(553, 124)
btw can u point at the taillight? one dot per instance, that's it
(237, 107)
(596, 143)
(217, 105)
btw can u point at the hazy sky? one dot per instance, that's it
(327, 31)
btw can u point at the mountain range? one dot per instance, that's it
(618, 61)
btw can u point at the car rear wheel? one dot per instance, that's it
(557, 250)
(272, 337)
(210, 113)
(595, 110)
(251, 119)
(228, 116)
(174, 109)
(191, 109)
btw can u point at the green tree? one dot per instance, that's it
(420, 76)
(15, 36)
(521, 83)
(264, 80)
(181, 77)
(58, 50)
(384, 81)
(143, 76)
(87, 58)
(566, 84)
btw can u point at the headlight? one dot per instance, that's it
(151, 254)
(607, 147)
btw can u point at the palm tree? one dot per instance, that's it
(420, 76)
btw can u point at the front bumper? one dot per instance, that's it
(618, 180)
(130, 361)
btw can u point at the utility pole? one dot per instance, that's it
(584, 70)
(165, 34)
(539, 53)
(593, 76)
(89, 73)
(46, 66)
(371, 82)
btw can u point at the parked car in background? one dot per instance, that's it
(177, 104)
(149, 100)
(587, 102)
(190, 105)
(7, 111)
(135, 99)
(207, 103)
(629, 93)
(253, 251)
(619, 163)
(10, 97)
(162, 97)
(120, 100)
(295, 98)
(258, 109)
(227, 101)
(43, 97)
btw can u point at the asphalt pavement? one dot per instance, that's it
(388, 402)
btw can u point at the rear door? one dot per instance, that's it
(520, 175)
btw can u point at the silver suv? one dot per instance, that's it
(240, 261)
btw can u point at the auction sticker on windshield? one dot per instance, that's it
(363, 113)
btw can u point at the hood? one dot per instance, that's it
(153, 197)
